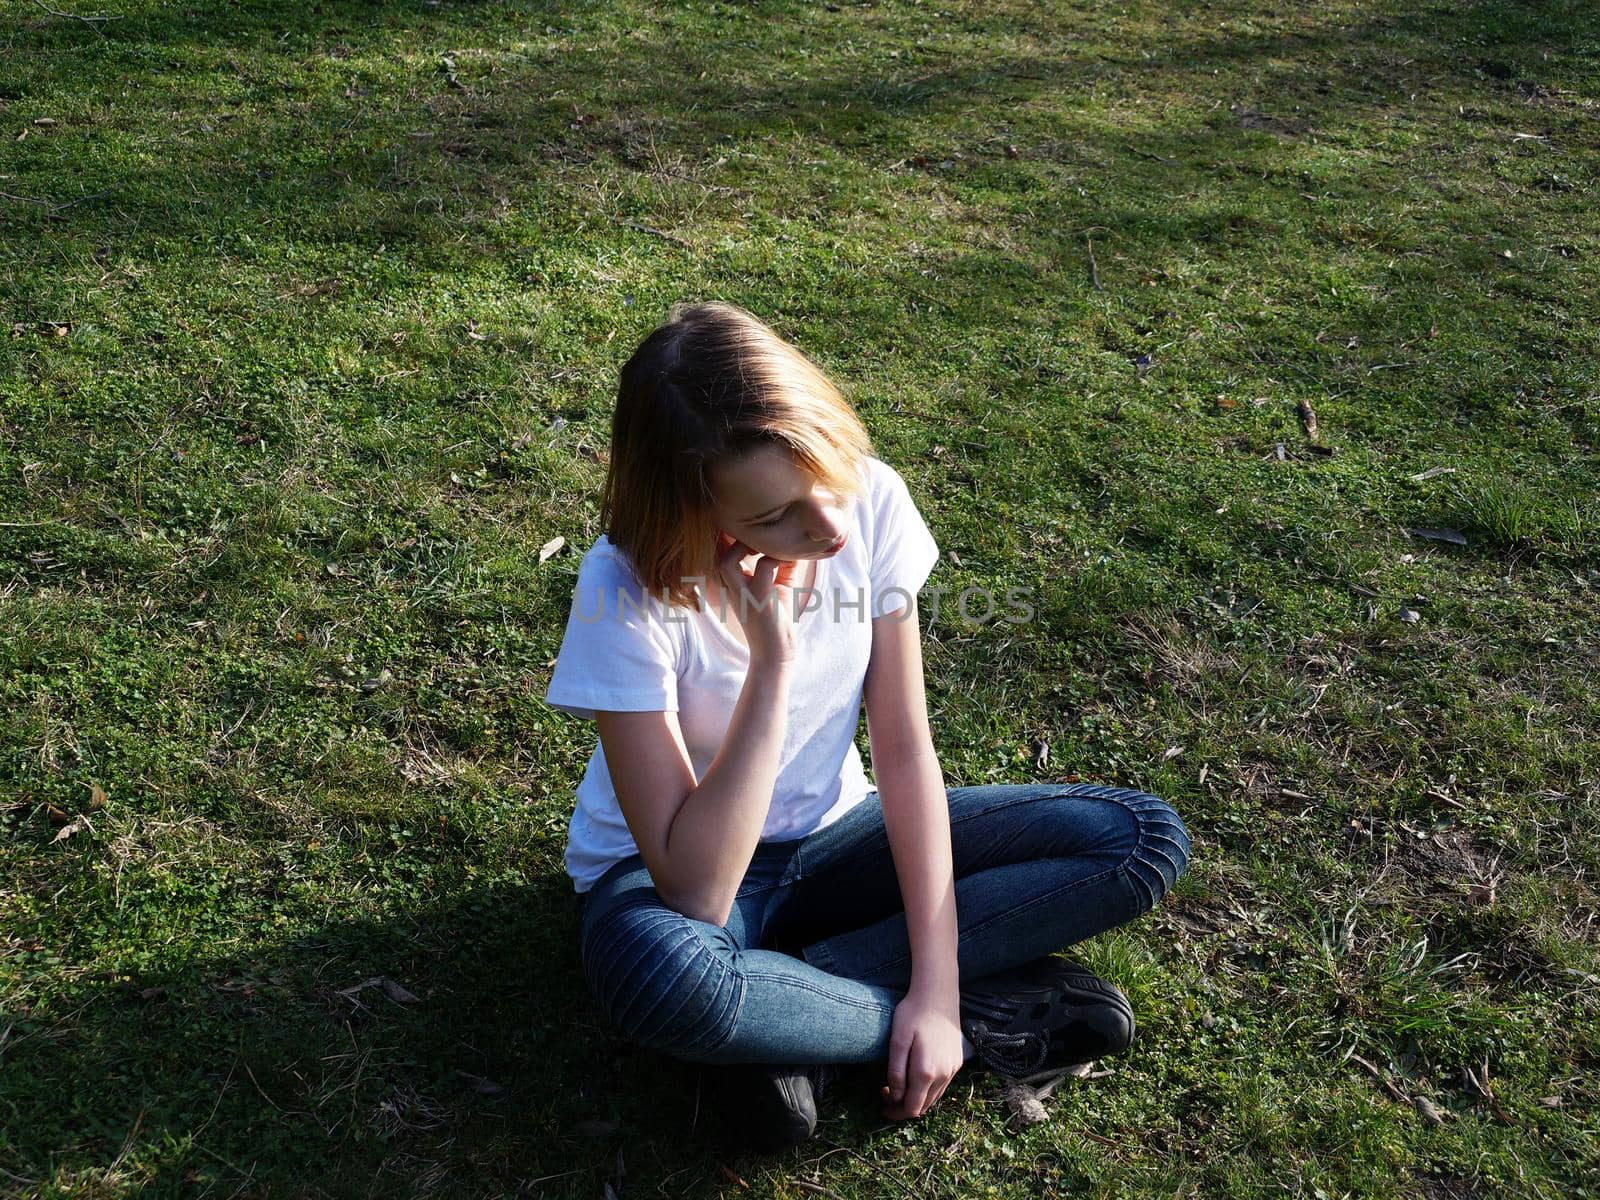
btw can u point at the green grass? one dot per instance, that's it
(312, 314)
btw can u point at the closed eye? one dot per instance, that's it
(774, 520)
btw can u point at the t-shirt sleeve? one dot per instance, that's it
(903, 550)
(619, 653)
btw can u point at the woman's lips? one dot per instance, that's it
(839, 545)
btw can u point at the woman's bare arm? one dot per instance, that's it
(697, 839)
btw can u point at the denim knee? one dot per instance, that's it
(1162, 850)
(662, 978)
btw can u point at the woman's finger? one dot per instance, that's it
(733, 575)
(919, 1084)
(901, 1082)
(898, 1053)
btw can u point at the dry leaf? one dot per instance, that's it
(1478, 1087)
(551, 547)
(397, 993)
(484, 1087)
(733, 1176)
(1440, 535)
(1430, 1111)
(97, 798)
(67, 831)
(391, 989)
(1024, 1105)
(1308, 418)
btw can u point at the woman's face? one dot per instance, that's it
(768, 502)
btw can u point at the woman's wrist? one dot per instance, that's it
(772, 666)
(936, 981)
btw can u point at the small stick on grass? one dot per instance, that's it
(660, 233)
(87, 20)
(1382, 1082)
(1094, 265)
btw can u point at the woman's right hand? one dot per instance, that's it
(762, 601)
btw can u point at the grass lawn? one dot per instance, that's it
(312, 314)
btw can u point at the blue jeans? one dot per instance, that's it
(1037, 867)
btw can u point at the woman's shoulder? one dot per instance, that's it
(605, 562)
(606, 574)
(879, 478)
(884, 493)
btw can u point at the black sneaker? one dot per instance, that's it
(773, 1106)
(1036, 1021)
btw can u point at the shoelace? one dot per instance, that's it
(822, 1077)
(1010, 1054)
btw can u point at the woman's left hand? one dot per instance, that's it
(924, 1052)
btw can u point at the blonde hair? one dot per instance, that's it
(710, 384)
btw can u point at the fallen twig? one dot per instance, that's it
(1381, 1080)
(51, 205)
(80, 200)
(1101, 1138)
(89, 20)
(660, 233)
(1094, 265)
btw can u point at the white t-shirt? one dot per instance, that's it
(626, 650)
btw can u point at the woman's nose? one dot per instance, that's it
(826, 532)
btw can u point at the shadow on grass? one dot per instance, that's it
(353, 138)
(330, 133)
(480, 1049)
